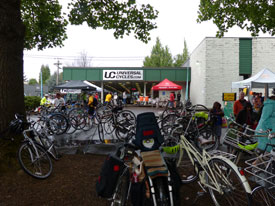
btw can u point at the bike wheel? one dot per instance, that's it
(168, 123)
(100, 131)
(120, 195)
(57, 124)
(36, 166)
(108, 127)
(188, 169)
(263, 197)
(206, 139)
(161, 191)
(89, 122)
(77, 118)
(234, 191)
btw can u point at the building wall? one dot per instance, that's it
(263, 54)
(222, 67)
(215, 65)
(198, 67)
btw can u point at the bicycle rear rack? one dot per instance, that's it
(262, 169)
(223, 154)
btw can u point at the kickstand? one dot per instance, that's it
(200, 193)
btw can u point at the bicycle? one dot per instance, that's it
(33, 157)
(118, 122)
(216, 172)
(197, 128)
(262, 169)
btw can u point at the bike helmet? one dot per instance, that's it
(16, 126)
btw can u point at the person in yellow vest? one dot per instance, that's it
(92, 103)
(44, 101)
(108, 98)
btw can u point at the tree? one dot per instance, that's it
(84, 60)
(253, 15)
(160, 56)
(46, 73)
(41, 24)
(51, 82)
(33, 81)
(180, 59)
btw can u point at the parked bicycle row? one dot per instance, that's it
(149, 169)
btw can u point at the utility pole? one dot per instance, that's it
(57, 73)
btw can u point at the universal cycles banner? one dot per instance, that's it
(122, 75)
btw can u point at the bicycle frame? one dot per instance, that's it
(205, 169)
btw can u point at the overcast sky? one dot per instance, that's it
(176, 22)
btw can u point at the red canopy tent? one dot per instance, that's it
(167, 85)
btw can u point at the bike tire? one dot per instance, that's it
(235, 192)
(206, 139)
(120, 196)
(262, 196)
(100, 131)
(31, 164)
(161, 191)
(57, 124)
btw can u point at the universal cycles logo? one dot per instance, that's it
(122, 74)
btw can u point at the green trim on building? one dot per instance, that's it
(177, 74)
(245, 56)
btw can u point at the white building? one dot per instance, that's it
(217, 62)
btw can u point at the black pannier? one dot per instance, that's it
(110, 172)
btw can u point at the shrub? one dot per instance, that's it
(31, 102)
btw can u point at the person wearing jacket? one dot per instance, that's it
(267, 121)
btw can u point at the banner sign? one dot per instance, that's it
(122, 75)
(71, 91)
(229, 96)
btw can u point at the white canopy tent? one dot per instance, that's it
(263, 79)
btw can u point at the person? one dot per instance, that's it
(124, 96)
(59, 101)
(239, 104)
(83, 96)
(96, 96)
(178, 96)
(92, 103)
(172, 99)
(108, 98)
(246, 116)
(217, 113)
(115, 99)
(45, 101)
(267, 121)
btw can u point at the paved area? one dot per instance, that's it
(88, 141)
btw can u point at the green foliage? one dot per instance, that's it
(46, 73)
(33, 81)
(123, 17)
(31, 102)
(51, 82)
(180, 59)
(160, 56)
(45, 25)
(253, 15)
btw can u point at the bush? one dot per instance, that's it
(31, 102)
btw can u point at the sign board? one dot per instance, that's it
(115, 75)
(71, 91)
(229, 96)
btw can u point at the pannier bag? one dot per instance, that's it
(109, 174)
